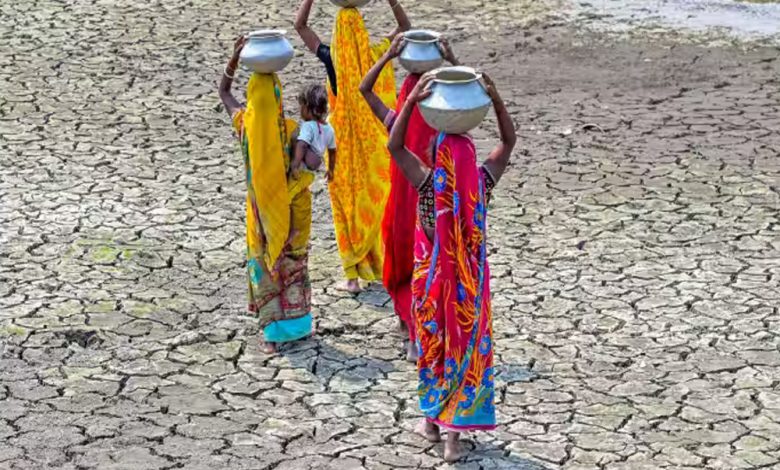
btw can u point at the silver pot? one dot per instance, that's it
(267, 51)
(350, 3)
(458, 101)
(421, 52)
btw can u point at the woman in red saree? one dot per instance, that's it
(399, 218)
(451, 282)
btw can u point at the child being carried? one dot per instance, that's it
(315, 134)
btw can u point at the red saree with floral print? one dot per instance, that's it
(452, 294)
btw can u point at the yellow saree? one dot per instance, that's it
(278, 217)
(361, 181)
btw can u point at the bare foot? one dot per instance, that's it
(352, 286)
(454, 450)
(268, 348)
(428, 430)
(411, 352)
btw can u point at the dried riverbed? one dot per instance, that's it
(634, 249)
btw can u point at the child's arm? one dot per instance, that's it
(498, 159)
(331, 164)
(307, 34)
(331, 153)
(302, 143)
(367, 85)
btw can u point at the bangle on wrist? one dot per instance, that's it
(228, 75)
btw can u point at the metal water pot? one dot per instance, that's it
(458, 101)
(267, 51)
(350, 3)
(421, 52)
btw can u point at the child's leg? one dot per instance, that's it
(312, 160)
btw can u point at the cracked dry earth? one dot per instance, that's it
(635, 251)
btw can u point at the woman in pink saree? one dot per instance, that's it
(400, 212)
(451, 282)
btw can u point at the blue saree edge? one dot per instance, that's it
(283, 331)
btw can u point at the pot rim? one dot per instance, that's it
(266, 34)
(474, 75)
(434, 36)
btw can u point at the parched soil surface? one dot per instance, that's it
(635, 251)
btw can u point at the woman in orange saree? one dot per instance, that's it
(400, 213)
(361, 179)
(278, 216)
(451, 282)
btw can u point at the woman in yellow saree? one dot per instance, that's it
(278, 215)
(361, 179)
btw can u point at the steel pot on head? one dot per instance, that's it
(421, 52)
(267, 51)
(458, 101)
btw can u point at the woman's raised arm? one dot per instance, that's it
(412, 167)
(307, 34)
(499, 158)
(400, 17)
(228, 100)
(367, 85)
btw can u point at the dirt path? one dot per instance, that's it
(635, 254)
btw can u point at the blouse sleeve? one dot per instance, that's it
(323, 53)
(490, 181)
(427, 183)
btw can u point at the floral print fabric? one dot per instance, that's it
(361, 181)
(452, 295)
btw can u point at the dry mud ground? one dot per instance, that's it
(635, 249)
